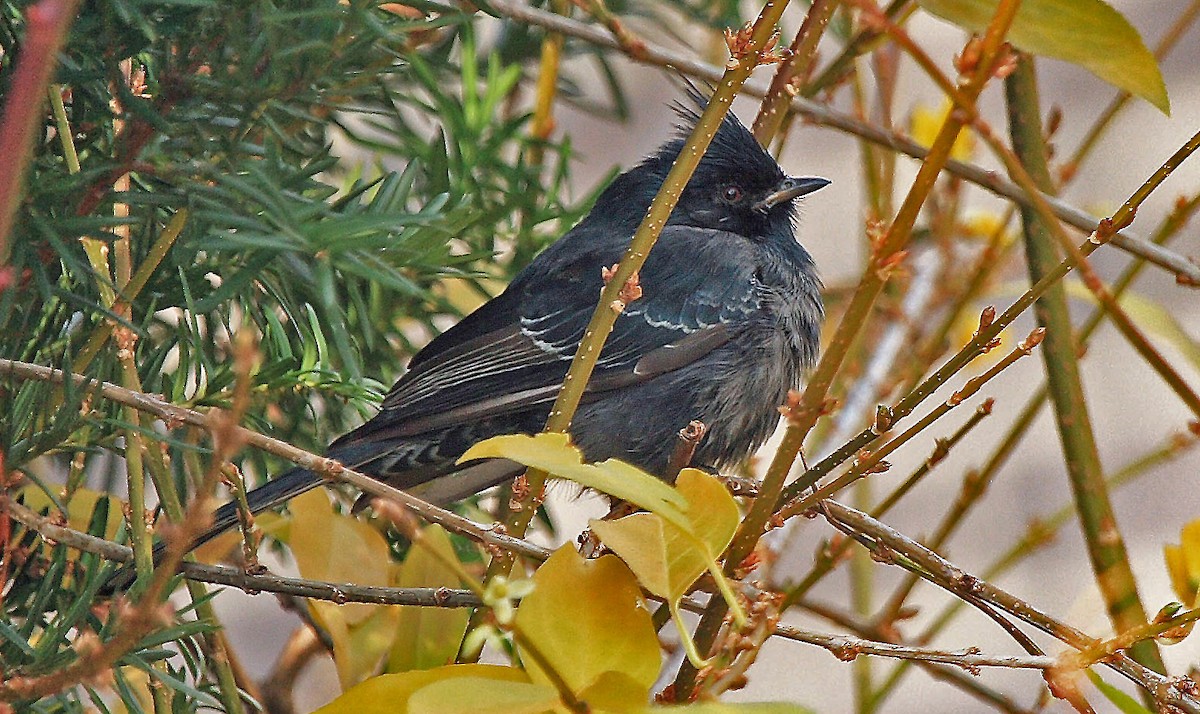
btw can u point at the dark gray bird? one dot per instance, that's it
(729, 318)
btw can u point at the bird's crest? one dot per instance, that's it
(732, 139)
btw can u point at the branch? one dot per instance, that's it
(932, 567)
(174, 415)
(238, 578)
(842, 646)
(846, 648)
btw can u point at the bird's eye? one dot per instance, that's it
(731, 194)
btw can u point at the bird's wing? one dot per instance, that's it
(697, 284)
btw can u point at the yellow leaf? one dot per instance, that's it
(427, 636)
(358, 647)
(338, 548)
(1089, 33)
(479, 695)
(334, 547)
(611, 692)
(668, 559)
(79, 509)
(390, 693)
(585, 618)
(1183, 564)
(925, 123)
(1189, 541)
(642, 542)
(554, 454)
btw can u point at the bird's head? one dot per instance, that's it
(737, 187)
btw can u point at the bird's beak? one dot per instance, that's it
(790, 188)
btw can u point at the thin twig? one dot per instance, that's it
(864, 393)
(977, 481)
(946, 575)
(1040, 533)
(252, 583)
(831, 555)
(792, 70)
(869, 462)
(1103, 233)
(964, 679)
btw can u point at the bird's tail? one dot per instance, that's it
(271, 494)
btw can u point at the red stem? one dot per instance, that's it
(45, 31)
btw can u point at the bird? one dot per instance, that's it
(728, 320)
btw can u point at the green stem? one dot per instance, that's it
(63, 127)
(1106, 548)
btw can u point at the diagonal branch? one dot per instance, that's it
(932, 567)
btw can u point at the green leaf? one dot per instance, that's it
(390, 693)
(1088, 33)
(584, 618)
(1123, 702)
(427, 636)
(554, 454)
